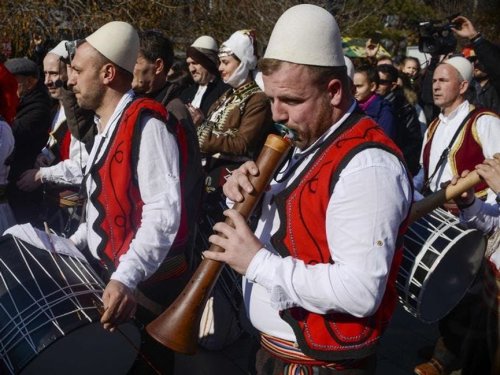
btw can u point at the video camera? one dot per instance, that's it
(436, 37)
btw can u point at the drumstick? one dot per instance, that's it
(100, 310)
(47, 231)
(436, 199)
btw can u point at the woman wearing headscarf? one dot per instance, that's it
(238, 122)
(233, 132)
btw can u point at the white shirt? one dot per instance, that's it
(196, 102)
(159, 185)
(69, 171)
(488, 132)
(486, 218)
(58, 119)
(368, 204)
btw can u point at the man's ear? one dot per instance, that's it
(464, 85)
(109, 73)
(336, 92)
(31, 82)
(159, 66)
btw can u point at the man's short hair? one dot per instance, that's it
(321, 74)
(154, 45)
(390, 71)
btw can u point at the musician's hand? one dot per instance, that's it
(196, 114)
(42, 161)
(239, 243)
(239, 181)
(467, 197)
(489, 170)
(29, 180)
(119, 305)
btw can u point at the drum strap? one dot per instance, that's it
(446, 151)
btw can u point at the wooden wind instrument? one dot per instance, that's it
(178, 326)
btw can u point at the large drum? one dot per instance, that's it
(49, 318)
(440, 261)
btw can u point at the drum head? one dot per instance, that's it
(453, 274)
(88, 350)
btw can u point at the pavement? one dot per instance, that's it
(404, 345)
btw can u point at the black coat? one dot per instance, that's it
(408, 135)
(215, 89)
(31, 128)
(489, 55)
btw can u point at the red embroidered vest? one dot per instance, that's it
(466, 152)
(117, 196)
(302, 234)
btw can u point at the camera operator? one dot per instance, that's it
(487, 53)
(437, 40)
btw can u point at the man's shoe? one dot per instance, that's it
(433, 367)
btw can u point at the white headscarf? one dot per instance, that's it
(241, 45)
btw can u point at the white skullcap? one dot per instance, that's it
(241, 44)
(205, 42)
(119, 42)
(350, 67)
(306, 34)
(60, 50)
(462, 65)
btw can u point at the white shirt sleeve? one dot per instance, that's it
(79, 238)
(69, 171)
(369, 202)
(159, 185)
(488, 129)
(481, 215)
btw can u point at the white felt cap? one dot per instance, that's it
(206, 42)
(60, 49)
(119, 42)
(462, 65)
(350, 67)
(306, 34)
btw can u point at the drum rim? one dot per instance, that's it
(404, 294)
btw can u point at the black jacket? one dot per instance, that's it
(31, 128)
(489, 55)
(408, 135)
(215, 89)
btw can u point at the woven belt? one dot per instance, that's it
(289, 352)
(70, 198)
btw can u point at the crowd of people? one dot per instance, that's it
(129, 152)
